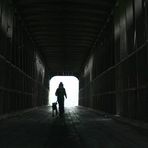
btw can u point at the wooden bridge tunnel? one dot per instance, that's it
(101, 42)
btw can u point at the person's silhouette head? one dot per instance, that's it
(61, 85)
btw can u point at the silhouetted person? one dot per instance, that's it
(60, 93)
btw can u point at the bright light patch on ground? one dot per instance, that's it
(71, 84)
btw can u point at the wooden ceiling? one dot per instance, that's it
(65, 30)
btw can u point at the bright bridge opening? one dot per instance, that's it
(71, 85)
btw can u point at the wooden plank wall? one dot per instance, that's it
(120, 73)
(20, 84)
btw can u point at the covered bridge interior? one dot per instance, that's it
(101, 42)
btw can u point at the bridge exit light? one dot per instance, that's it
(71, 84)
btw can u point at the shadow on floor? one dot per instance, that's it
(61, 135)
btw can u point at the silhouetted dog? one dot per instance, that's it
(54, 109)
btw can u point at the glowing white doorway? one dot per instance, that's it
(71, 84)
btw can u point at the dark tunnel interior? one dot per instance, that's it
(104, 43)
